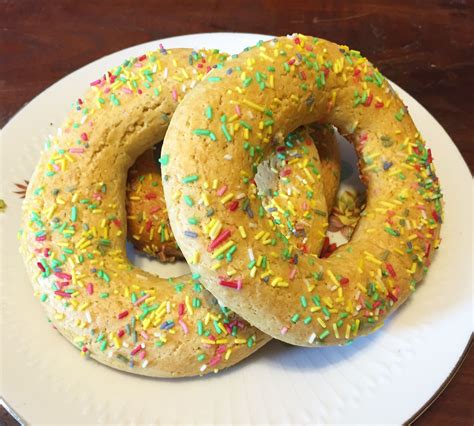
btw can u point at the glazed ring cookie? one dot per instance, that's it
(277, 86)
(74, 230)
(147, 217)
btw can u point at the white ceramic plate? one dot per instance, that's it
(384, 378)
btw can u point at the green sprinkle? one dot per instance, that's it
(200, 329)
(307, 320)
(324, 334)
(400, 114)
(190, 179)
(188, 200)
(201, 357)
(245, 124)
(164, 160)
(44, 297)
(201, 132)
(295, 318)
(193, 221)
(392, 231)
(303, 302)
(226, 133)
(214, 79)
(208, 112)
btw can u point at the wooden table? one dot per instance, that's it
(426, 47)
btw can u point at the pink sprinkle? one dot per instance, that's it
(121, 332)
(62, 284)
(76, 150)
(155, 209)
(175, 95)
(236, 284)
(95, 83)
(56, 167)
(122, 314)
(107, 90)
(127, 90)
(142, 354)
(46, 252)
(138, 65)
(221, 191)
(284, 330)
(293, 273)
(63, 275)
(62, 294)
(144, 335)
(84, 136)
(215, 360)
(136, 349)
(238, 111)
(221, 349)
(183, 326)
(40, 265)
(223, 235)
(181, 309)
(141, 300)
(90, 288)
(42, 238)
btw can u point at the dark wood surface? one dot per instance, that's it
(427, 47)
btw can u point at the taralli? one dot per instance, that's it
(148, 226)
(73, 235)
(147, 217)
(274, 87)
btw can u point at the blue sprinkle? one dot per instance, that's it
(271, 209)
(229, 71)
(190, 234)
(387, 165)
(249, 212)
(167, 325)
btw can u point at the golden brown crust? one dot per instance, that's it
(74, 230)
(277, 86)
(148, 226)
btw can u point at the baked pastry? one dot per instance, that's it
(148, 226)
(277, 86)
(74, 232)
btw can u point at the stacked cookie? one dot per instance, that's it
(248, 187)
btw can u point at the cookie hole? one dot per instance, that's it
(351, 196)
(139, 175)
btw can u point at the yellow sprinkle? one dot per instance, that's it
(253, 105)
(348, 331)
(356, 329)
(196, 257)
(222, 249)
(228, 197)
(321, 322)
(243, 234)
(332, 277)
